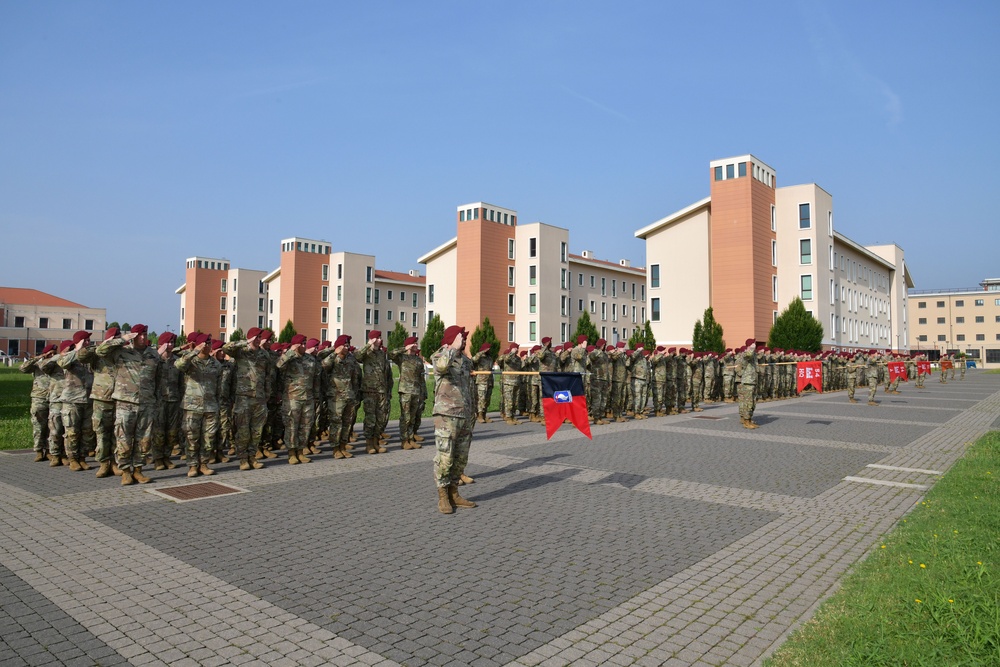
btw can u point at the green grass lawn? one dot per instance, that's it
(15, 424)
(929, 593)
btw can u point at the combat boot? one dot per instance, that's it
(127, 478)
(872, 403)
(480, 418)
(853, 400)
(379, 447)
(465, 479)
(73, 465)
(159, 464)
(205, 470)
(115, 470)
(457, 500)
(139, 477)
(620, 420)
(697, 409)
(302, 457)
(255, 464)
(192, 471)
(245, 463)
(83, 463)
(41, 456)
(753, 424)
(64, 460)
(269, 454)
(293, 458)
(353, 437)
(487, 419)
(444, 501)
(420, 438)
(370, 446)
(104, 470)
(405, 444)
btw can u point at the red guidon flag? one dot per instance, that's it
(897, 369)
(810, 373)
(923, 368)
(946, 365)
(562, 399)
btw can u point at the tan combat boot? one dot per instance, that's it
(481, 418)
(269, 454)
(302, 457)
(205, 470)
(74, 465)
(41, 456)
(444, 503)
(457, 500)
(192, 471)
(159, 464)
(139, 477)
(127, 478)
(245, 463)
(83, 463)
(370, 446)
(465, 479)
(379, 447)
(104, 470)
(420, 438)
(293, 457)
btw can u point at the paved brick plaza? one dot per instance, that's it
(678, 541)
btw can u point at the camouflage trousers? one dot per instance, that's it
(872, 387)
(225, 439)
(617, 398)
(40, 424)
(409, 411)
(79, 429)
(298, 418)
(852, 382)
(728, 385)
(746, 395)
(133, 433)
(669, 397)
(166, 429)
(599, 398)
(697, 389)
(274, 427)
(640, 394)
(893, 385)
(56, 431)
(201, 429)
(484, 394)
(681, 390)
(535, 396)
(453, 438)
(249, 416)
(384, 408)
(920, 380)
(374, 421)
(511, 394)
(341, 411)
(103, 421)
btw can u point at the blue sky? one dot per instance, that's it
(135, 135)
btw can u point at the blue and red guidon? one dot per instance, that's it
(563, 398)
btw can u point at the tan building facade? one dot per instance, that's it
(751, 247)
(218, 299)
(31, 319)
(958, 320)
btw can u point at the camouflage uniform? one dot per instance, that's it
(920, 377)
(77, 415)
(39, 406)
(166, 437)
(137, 378)
(533, 386)
(102, 405)
(454, 415)
(600, 384)
(658, 362)
(483, 362)
(639, 369)
(299, 374)
(728, 376)
(547, 362)
(697, 370)
(57, 432)
(872, 371)
(854, 374)
(200, 421)
(274, 424)
(681, 382)
(619, 378)
(412, 385)
(341, 399)
(251, 375)
(509, 384)
(224, 442)
(747, 369)
(374, 391)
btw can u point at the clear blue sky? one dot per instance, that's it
(134, 135)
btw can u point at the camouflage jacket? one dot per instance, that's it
(599, 365)
(638, 365)
(548, 362)
(103, 387)
(299, 376)
(509, 362)
(251, 372)
(56, 375)
(77, 377)
(137, 373)
(373, 363)
(746, 367)
(658, 362)
(40, 380)
(483, 361)
(453, 395)
(202, 385)
(577, 362)
(227, 371)
(171, 381)
(619, 366)
(411, 372)
(340, 381)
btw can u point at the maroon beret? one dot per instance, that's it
(621, 344)
(659, 348)
(375, 333)
(581, 339)
(546, 340)
(48, 348)
(216, 345)
(535, 348)
(65, 345)
(325, 344)
(410, 340)
(629, 352)
(253, 332)
(591, 348)
(450, 334)
(80, 335)
(298, 339)
(750, 341)
(266, 334)
(168, 337)
(342, 339)
(485, 346)
(111, 333)
(600, 342)
(139, 328)
(311, 343)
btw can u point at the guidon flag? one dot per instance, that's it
(563, 398)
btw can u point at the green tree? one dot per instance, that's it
(484, 333)
(708, 334)
(125, 327)
(181, 340)
(114, 325)
(286, 334)
(432, 337)
(795, 329)
(396, 336)
(644, 337)
(585, 327)
(237, 335)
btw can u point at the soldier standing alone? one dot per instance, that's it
(454, 417)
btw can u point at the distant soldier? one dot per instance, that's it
(57, 432)
(729, 376)
(372, 358)
(619, 378)
(77, 416)
(200, 420)
(251, 390)
(39, 410)
(547, 362)
(855, 372)
(299, 370)
(166, 438)
(533, 399)
(137, 377)
(600, 381)
(509, 363)
(746, 362)
(697, 367)
(483, 362)
(412, 384)
(224, 441)
(341, 394)
(872, 371)
(639, 370)
(454, 417)
(103, 405)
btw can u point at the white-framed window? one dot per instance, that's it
(806, 284)
(581, 279)
(222, 285)
(593, 307)
(369, 274)
(323, 314)
(340, 292)
(222, 321)
(774, 252)
(414, 319)
(532, 329)
(510, 331)
(604, 286)
(532, 274)
(532, 302)
(510, 276)
(654, 305)
(774, 289)
(604, 310)
(368, 315)
(368, 295)
(325, 296)
(532, 247)
(805, 219)
(805, 251)
(388, 295)
(510, 304)
(654, 276)
(326, 272)
(833, 292)
(388, 316)
(339, 313)
(774, 220)
(222, 303)
(563, 252)
(510, 248)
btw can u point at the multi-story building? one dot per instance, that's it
(750, 247)
(218, 299)
(525, 280)
(958, 320)
(322, 292)
(30, 320)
